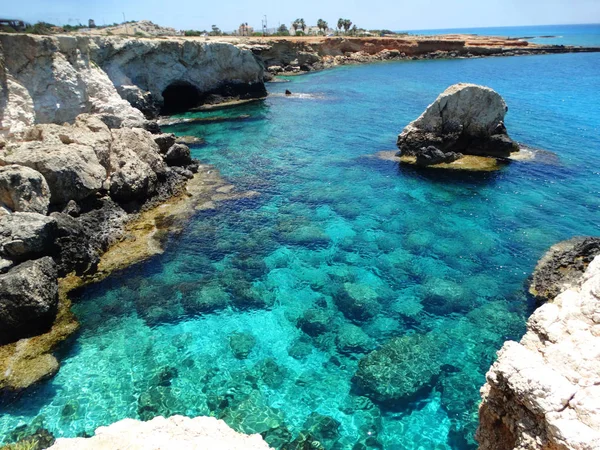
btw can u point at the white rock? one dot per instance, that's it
(24, 189)
(174, 433)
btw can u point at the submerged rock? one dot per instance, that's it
(400, 370)
(358, 302)
(28, 299)
(465, 118)
(176, 432)
(316, 321)
(431, 155)
(352, 339)
(24, 189)
(241, 344)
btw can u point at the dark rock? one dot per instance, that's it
(352, 339)
(431, 155)
(165, 141)
(300, 349)
(72, 209)
(178, 155)
(562, 267)
(26, 236)
(28, 299)
(288, 92)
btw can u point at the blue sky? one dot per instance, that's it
(389, 14)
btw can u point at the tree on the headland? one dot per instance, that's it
(215, 31)
(340, 24)
(322, 25)
(282, 30)
(347, 25)
(354, 30)
(299, 23)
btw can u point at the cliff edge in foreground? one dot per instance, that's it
(544, 392)
(174, 433)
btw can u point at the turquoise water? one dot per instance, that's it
(261, 311)
(587, 35)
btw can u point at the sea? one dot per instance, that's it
(354, 303)
(585, 35)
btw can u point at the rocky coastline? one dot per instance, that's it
(543, 393)
(83, 170)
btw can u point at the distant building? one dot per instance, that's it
(245, 30)
(91, 23)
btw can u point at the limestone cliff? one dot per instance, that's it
(53, 79)
(544, 392)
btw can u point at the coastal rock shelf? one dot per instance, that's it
(544, 392)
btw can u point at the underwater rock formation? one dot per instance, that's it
(174, 433)
(400, 370)
(464, 119)
(543, 393)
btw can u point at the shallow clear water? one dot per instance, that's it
(587, 35)
(433, 255)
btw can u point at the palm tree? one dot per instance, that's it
(322, 25)
(340, 23)
(302, 25)
(347, 25)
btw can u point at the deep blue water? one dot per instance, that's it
(438, 259)
(587, 35)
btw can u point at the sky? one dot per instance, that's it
(370, 14)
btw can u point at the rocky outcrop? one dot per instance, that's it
(23, 189)
(562, 266)
(29, 299)
(466, 119)
(54, 79)
(174, 433)
(543, 393)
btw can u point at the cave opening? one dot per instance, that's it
(180, 96)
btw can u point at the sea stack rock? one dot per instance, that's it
(465, 119)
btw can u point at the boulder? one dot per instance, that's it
(72, 171)
(465, 118)
(315, 321)
(400, 370)
(139, 142)
(24, 189)
(352, 339)
(165, 141)
(431, 155)
(358, 302)
(241, 344)
(26, 236)
(178, 155)
(28, 299)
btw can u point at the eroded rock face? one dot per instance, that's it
(174, 433)
(465, 118)
(24, 189)
(543, 393)
(28, 299)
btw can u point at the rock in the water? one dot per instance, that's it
(28, 299)
(352, 339)
(24, 189)
(431, 155)
(315, 321)
(465, 118)
(241, 344)
(178, 155)
(26, 236)
(543, 393)
(562, 266)
(358, 302)
(400, 370)
(174, 433)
